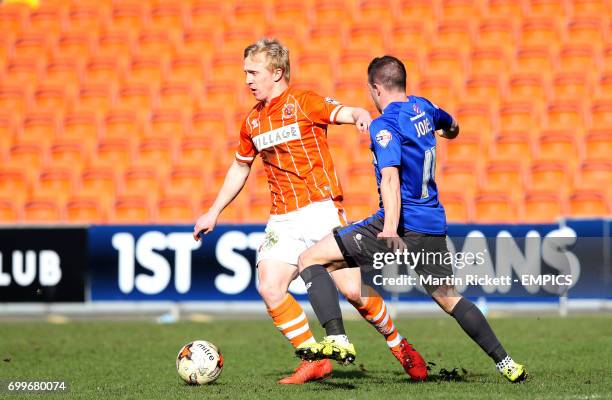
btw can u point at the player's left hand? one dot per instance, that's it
(394, 242)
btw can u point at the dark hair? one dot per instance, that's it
(389, 72)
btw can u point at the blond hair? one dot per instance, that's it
(276, 54)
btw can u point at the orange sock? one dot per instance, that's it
(290, 319)
(376, 313)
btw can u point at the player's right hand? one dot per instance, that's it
(205, 224)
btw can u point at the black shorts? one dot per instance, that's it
(361, 248)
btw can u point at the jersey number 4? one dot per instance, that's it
(429, 169)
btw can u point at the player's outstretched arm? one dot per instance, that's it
(392, 203)
(235, 179)
(451, 132)
(359, 117)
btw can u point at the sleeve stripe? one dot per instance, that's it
(333, 114)
(243, 158)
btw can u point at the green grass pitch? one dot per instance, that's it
(568, 358)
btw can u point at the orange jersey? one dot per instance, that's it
(290, 134)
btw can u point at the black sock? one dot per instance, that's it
(476, 326)
(323, 297)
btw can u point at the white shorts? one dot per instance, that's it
(288, 235)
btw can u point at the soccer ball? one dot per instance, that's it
(199, 362)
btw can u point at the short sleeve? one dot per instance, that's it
(386, 144)
(320, 110)
(246, 151)
(441, 119)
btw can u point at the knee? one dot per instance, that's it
(447, 302)
(304, 260)
(352, 294)
(270, 293)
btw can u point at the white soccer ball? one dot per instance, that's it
(199, 362)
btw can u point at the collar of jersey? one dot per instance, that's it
(277, 99)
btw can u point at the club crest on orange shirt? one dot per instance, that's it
(288, 110)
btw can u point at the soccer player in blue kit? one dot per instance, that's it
(411, 218)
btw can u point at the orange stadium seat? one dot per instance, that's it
(326, 11)
(539, 31)
(328, 36)
(68, 154)
(534, 58)
(102, 70)
(588, 204)
(127, 14)
(474, 117)
(375, 10)
(542, 207)
(82, 126)
(585, 30)
(115, 43)
(486, 59)
(294, 12)
(598, 145)
(437, 88)
(456, 206)
(358, 206)
(25, 72)
(495, 31)
(227, 66)
(99, 183)
(64, 72)
(512, 145)
(409, 9)
(206, 13)
(7, 131)
(290, 36)
(549, 176)
(168, 16)
(258, 182)
(463, 150)
(518, 116)
(367, 37)
(46, 19)
(563, 114)
(41, 210)
(138, 181)
(504, 176)
(352, 65)
(604, 86)
(596, 174)
(74, 44)
(95, 97)
(570, 85)
(444, 60)
(84, 210)
(174, 210)
(168, 123)
(249, 13)
(483, 87)
(198, 151)
(360, 179)
(601, 114)
(31, 45)
(40, 127)
(156, 153)
(526, 87)
(11, 19)
(13, 98)
(404, 33)
(547, 8)
(456, 33)
(578, 59)
(494, 207)
(113, 153)
(145, 70)
(201, 42)
(9, 212)
(51, 98)
(354, 92)
(14, 182)
(221, 92)
(459, 177)
(258, 209)
(121, 124)
(314, 64)
(186, 68)
(460, 8)
(131, 210)
(154, 43)
(208, 123)
(237, 38)
(86, 17)
(186, 180)
(558, 146)
(135, 96)
(589, 7)
(56, 183)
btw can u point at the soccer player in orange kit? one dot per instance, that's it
(288, 128)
